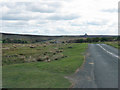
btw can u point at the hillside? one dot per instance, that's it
(41, 38)
(30, 38)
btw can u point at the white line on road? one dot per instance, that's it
(109, 52)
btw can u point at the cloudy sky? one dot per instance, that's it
(59, 17)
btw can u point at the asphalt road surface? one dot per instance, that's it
(100, 69)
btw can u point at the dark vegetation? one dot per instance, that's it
(19, 38)
(95, 39)
(13, 41)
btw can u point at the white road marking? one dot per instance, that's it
(109, 52)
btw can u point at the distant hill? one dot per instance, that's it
(30, 38)
(40, 38)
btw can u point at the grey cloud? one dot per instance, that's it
(63, 17)
(22, 10)
(43, 7)
(22, 23)
(57, 4)
(96, 23)
(62, 31)
(110, 10)
(14, 5)
(14, 24)
(15, 8)
(15, 17)
(93, 23)
(74, 24)
(41, 10)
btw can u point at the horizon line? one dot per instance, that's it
(58, 35)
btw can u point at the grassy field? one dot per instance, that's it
(25, 67)
(114, 44)
(25, 53)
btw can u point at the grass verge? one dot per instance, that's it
(45, 74)
(114, 44)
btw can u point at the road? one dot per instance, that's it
(100, 69)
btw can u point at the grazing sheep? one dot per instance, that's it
(39, 59)
(54, 53)
(56, 58)
(48, 60)
(46, 57)
(44, 46)
(51, 51)
(69, 47)
(32, 46)
(21, 54)
(61, 51)
(14, 46)
(44, 54)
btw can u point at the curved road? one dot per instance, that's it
(100, 69)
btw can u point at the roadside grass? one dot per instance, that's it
(111, 43)
(45, 74)
(114, 44)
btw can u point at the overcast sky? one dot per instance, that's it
(59, 17)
